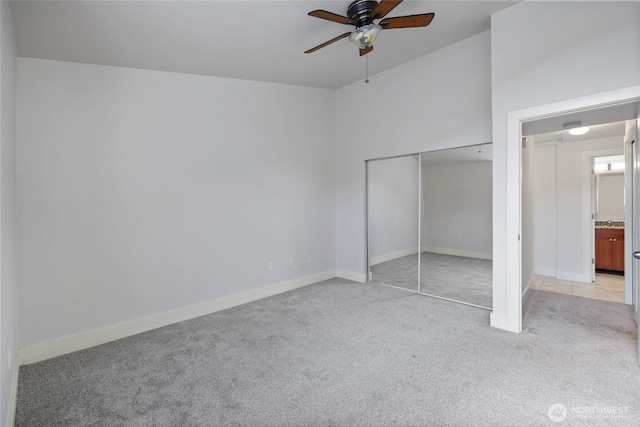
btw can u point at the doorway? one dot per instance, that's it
(629, 111)
(508, 286)
(573, 190)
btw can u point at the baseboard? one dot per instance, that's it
(456, 252)
(393, 255)
(550, 272)
(527, 292)
(13, 396)
(46, 350)
(574, 277)
(350, 275)
(443, 251)
(563, 275)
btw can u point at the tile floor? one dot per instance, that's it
(606, 287)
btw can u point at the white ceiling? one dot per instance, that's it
(252, 40)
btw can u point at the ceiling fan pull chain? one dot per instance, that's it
(367, 68)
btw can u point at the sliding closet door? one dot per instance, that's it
(392, 218)
(456, 225)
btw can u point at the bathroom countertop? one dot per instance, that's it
(609, 224)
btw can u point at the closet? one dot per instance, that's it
(429, 223)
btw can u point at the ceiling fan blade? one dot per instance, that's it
(328, 43)
(366, 50)
(384, 7)
(323, 14)
(409, 21)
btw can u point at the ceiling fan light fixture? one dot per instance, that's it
(364, 36)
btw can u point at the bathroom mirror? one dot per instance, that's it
(392, 221)
(456, 225)
(609, 196)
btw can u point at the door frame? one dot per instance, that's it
(513, 286)
(635, 202)
(628, 217)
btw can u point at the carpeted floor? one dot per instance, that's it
(401, 272)
(463, 279)
(338, 353)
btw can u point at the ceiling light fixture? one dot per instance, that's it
(576, 128)
(364, 36)
(579, 131)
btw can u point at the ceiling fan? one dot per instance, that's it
(362, 14)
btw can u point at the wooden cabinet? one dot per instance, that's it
(610, 249)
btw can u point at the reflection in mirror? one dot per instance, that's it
(456, 225)
(609, 188)
(392, 209)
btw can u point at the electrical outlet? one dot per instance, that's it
(290, 262)
(270, 266)
(309, 259)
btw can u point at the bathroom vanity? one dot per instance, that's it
(610, 248)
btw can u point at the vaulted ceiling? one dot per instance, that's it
(253, 40)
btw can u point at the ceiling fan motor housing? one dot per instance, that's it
(360, 12)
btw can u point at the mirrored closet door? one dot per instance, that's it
(456, 225)
(392, 209)
(429, 219)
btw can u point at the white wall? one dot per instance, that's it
(561, 206)
(545, 211)
(457, 209)
(610, 197)
(141, 191)
(441, 100)
(393, 208)
(527, 239)
(574, 204)
(8, 275)
(543, 53)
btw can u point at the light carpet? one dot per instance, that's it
(338, 353)
(458, 278)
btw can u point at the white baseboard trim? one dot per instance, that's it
(527, 292)
(351, 275)
(57, 347)
(541, 271)
(393, 255)
(562, 275)
(13, 397)
(456, 252)
(574, 277)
